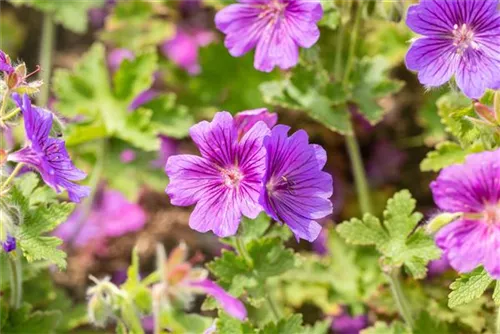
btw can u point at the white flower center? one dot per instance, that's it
(231, 176)
(463, 38)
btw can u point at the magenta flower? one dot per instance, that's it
(168, 147)
(111, 215)
(117, 56)
(225, 181)
(296, 191)
(5, 64)
(275, 28)
(473, 189)
(231, 305)
(245, 120)
(127, 156)
(47, 155)
(461, 38)
(9, 244)
(183, 48)
(344, 323)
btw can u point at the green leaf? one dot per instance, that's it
(270, 257)
(36, 222)
(254, 228)
(180, 322)
(72, 15)
(446, 154)
(139, 293)
(331, 15)
(426, 324)
(87, 91)
(229, 325)
(371, 83)
(382, 328)
(496, 293)
(291, 325)
(23, 321)
(320, 327)
(468, 287)
(398, 239)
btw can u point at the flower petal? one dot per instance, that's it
(276, 48)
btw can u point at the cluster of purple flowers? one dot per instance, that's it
(461, 38)
(246, 167)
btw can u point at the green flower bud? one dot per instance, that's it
(441, 220)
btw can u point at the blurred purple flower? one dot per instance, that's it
(5, 64)
(111, 215)
(183, 48)
(438, 267)
(144, 97)
(296, 191)
(47, 155)
(168, 147)
(385, 163)
(225, 181)
(117, 56)
(275, 28)
(245, 120)
(97, 16)
(320, 245)
(127, 156)
(344, 323)
(9, 244)
(461, 38)
(473, 189)
(231, 305)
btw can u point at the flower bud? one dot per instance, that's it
(98, 311)
(496, 105)
(10, 219)
(441, 220)
(485, 113)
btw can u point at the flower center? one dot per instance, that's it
(463, 38)
(492, 214)
(273, 9)
(232, 177)
(277, 184)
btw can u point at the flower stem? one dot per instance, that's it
(4, 102)
(399, 297)
(11, 176)
(498, 321)
(11, 114)
(352, 42)
(46, 48)
(242, 250)
(359, 173)
(16, 286)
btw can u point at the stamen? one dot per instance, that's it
(38, 68)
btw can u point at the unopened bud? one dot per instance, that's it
(98, 311)
(441, 220)
(496, 105)
(486, 113)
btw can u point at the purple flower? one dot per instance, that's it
(168, 147)
(182, 49)
(461, 38)
(231, 305)
(47, 155)
(472, 189)
(111, 215)
(438, 267)
(5, 64)
(296, 190)
(144, 97)
(127, 156)
(275, 28)
(344, 323)
(320, 245)
(225, 181)
(9, 244)
(117, 56)
(245, 120)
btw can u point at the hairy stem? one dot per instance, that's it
(399, 297)
(352, 42)
(16, 282)
(359, 173)
(4, 102)
(11, 176)
(46, 48)
(498, 321)
(11, 114)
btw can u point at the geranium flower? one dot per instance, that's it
(5, 63)
(245, 120)
(472, 189)
(225, 181)
(110, 216)
(47, 155)
(461, 38)
(344, 323)
(296, 191)
(275, 28)
(9, 244)
(183, 48)
(168, 147)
